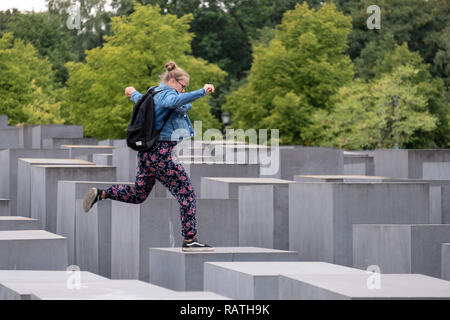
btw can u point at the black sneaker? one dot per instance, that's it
(195, 246)
(91, 198)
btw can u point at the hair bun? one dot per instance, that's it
(171, 66)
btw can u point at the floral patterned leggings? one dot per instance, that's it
(158, 163)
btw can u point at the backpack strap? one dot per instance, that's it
(152, 93)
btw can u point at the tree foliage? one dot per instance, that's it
(134, 55)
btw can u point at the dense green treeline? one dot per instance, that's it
(312, 69)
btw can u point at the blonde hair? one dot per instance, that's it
(173, 72)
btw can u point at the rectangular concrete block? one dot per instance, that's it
(228, 188)
(102, 159)
(69, 192)
(44, 187)
(182, 271)
(10, 138)
(18, 223)
(156, 223)
(259, 280)
(41, 132)
(9, 173)
(400, 248)
(86, 152)
(445, 257)
(340, 178)
(24, 179)
(294, 160)
(358, 163)
(32, 250)
(436, 170)
(83, 285)
(3, 121)
(406, 163)
(56, 143)
(4, 207)
(264, 216)
(118, 143)
(355, 287)
(321, 215)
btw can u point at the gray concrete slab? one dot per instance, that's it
(102, 159)
(56, 143)
(60, 285)
(321, 215)
(445, 257)
(259, 280)
(156, 223)
(3, 121)
(86, 152)
(436, 170)
(183, 271)
(218, 169)
(66, 213)
(8, 169)
(358, 163)
(228, 188)
(24, 179)
(340, 178)
(119, 143)
(32, 250)
(264, 216)
(125, 160)
(294, 160)
(18, 284)
(44, 187)
(41, 132)
(10, 138)
(25, 135)
(406, 163)
(4, 207)
(18, 223)
(355, 287)
(400, 248)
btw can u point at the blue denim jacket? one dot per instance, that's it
(179, 120)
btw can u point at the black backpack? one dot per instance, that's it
(141, 132)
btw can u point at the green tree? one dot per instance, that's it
(383, 113)
(135, 55)
(296, 73)
(27, 93)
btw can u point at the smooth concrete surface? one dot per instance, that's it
(24, 179)
(32, 250)
(56, 143)
(83, 285)
(400, 248)
(41, 132)
(340, 178)
(183, 271)
(358, 163)
(86, 152)
(436, 170)
(321, 215)
(119, 143)
(4, 207)
(359, 286)
(264, 216)
(445, 257)
(3, 121)
(259, 280)
(17, 223)
(406, 163)
(44, 187)
(228, 188)
(102, 159)
(294, 160)
(156, 223)
(10, 138)
(66, 213)
(9, 170)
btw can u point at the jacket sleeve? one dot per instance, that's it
(170, 99)
(135, 96)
